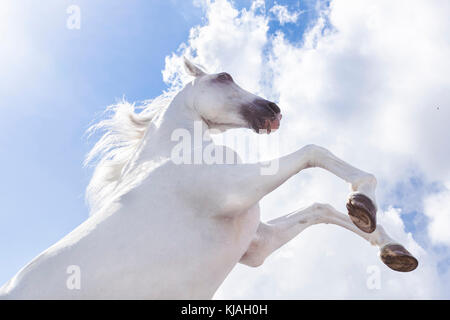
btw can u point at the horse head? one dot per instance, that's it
(222, 104)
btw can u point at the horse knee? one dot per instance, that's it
(255, 254)
(319, 213)
(309, 150)
(312, 152)
(252, 261)
(322, 209)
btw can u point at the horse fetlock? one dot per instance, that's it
(310, 152)
(366, 182)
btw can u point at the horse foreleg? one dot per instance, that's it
(253, 181)
(272, 235)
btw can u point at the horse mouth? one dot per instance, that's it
(262, 116)
(268, 125)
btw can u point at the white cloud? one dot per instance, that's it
(369, 89)
(227, 40)
(284, 15)
(437, 208)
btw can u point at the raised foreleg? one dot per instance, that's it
(246, 184)
(272, 235)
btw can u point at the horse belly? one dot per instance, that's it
(195, 262)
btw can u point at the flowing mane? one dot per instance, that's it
(123, 130)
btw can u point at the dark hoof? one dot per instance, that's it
(397, 258)
(363, 212)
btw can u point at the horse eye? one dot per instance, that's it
(224, 77)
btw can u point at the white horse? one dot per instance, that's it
(161, 229)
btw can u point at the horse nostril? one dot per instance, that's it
(268, 105)
(278, 116)
(274, 107)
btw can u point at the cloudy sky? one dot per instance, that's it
(366, 79)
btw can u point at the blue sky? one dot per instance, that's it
(55, 82)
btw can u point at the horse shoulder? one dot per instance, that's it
(216, 183)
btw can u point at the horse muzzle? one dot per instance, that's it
(262, 115)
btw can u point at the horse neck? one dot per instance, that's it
(179, 115)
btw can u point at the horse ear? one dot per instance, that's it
(192, 69)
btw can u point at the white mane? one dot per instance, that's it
(123, 131)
